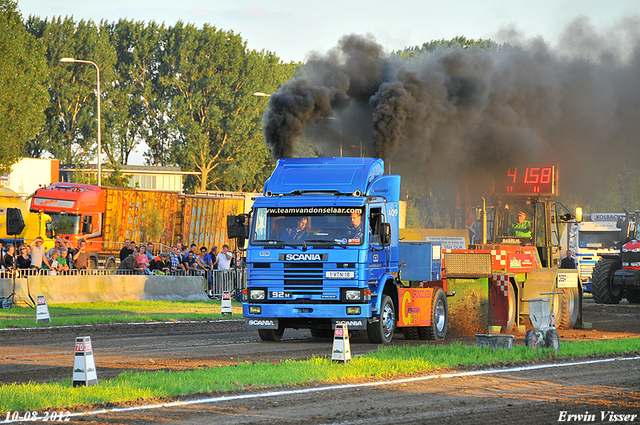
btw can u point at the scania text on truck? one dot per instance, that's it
(323, 249)
(495, 278)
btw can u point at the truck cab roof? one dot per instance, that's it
(328, 175)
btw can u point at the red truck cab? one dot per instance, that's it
(76, 211)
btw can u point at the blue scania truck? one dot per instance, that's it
(323, 249)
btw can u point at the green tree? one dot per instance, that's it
(210, 76)
(70, 130)
(435, 45)
(23, 94)
(140, 107)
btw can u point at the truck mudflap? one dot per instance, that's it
(353, 324)
(261, 323)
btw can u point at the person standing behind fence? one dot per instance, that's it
(53, 263)
(7, 260)
(37, 253)
(129, 265)
(176, 262)
(143, 260)
(224, 258)
(63, 260)
(237, 262)
(204, 259)
(161, 264)
(214, 257)
(81, 256)
(126, 250)
(57, 246)
(23, 261)
(184, 253)
(150, 253)
(190, 263)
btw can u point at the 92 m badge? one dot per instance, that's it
(280, 294)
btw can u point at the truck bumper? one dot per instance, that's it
(626, 278)
(272, 316)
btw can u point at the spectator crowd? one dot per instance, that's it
(134, 259)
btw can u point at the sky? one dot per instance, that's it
(292, 29)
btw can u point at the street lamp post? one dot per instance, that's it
(99, 122)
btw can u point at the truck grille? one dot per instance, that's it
(630, 259)
(303, 275)
(301, 279)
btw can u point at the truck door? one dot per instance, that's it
(377, 255)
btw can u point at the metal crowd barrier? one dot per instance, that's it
(220, 281)
(216, 281)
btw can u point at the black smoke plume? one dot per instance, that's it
(461, 114)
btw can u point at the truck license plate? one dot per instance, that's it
(340, 274)
(280, 294)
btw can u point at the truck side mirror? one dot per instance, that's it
(385, 234)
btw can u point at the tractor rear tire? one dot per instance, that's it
(570, 308)
(381, 332)
(633, 295)
(439, 316)
(601, 289)
(511, 321)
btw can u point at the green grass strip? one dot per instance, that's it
(385, 363)
(119, 312)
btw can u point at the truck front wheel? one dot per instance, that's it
(601, 288)
(381, 332)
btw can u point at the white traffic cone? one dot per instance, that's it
(226, 303)
(42, 310)
(84, 365)
(341, 346)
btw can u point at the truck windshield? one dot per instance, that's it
(598, 239)
(65, 224)
(297, 226)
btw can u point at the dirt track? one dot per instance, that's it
(47, 354)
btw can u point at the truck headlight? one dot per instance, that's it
(255, 309)
(256, 294)
(352, 295)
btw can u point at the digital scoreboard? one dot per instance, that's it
(529, 181)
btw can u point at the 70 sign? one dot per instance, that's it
(530, 181)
